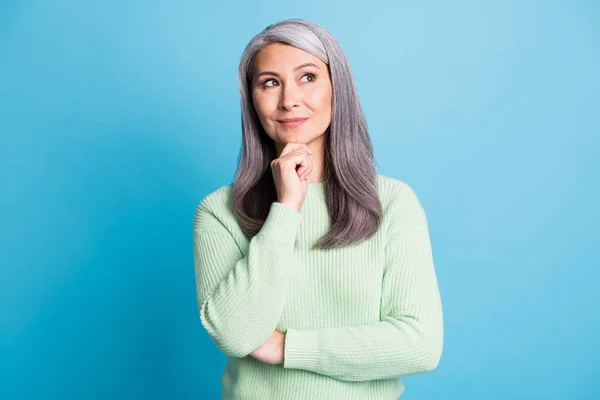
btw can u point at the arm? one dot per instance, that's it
(241, 297)
(407, 340)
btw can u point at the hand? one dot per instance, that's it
(290, 172)
(272, 351)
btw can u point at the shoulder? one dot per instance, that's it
(214, 210)
(395, 192)
(216, 198)
(401, 207)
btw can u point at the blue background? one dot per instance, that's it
(118, 117)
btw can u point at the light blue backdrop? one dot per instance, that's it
(117, 117)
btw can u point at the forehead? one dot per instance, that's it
(281, 56)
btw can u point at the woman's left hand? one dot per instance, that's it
(272, 351)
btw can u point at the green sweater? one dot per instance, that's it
(356, 318)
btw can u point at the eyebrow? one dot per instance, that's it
(308, 64)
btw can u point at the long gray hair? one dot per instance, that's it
(349, 168)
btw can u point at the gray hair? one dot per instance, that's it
(349, 169)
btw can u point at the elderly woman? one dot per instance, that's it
(314, 273)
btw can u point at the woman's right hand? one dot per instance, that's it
(290, 172)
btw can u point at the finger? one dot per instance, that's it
(298, 159)
(290, 147)
(293, 156)
(290, 157)
(301, 171)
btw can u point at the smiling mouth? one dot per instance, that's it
(293, 123)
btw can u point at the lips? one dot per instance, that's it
(292, 119)
(292, 122)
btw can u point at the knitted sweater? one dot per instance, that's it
(356, 318)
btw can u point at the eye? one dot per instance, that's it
(313, 76)
(310, 74)
(264, 84)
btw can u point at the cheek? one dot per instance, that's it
(265, 107)
(259, 106)
(321, 100)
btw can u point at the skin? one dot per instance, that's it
(280, 90)
(306, 92)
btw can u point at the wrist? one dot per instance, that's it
(291, 205)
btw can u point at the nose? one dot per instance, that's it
(290, 96)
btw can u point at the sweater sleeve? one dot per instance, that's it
(407, 340)
(241, 296)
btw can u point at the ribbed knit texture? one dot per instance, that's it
(356, 318)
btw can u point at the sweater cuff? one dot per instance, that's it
(301, 350)
(282, 223)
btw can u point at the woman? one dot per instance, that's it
(314, 273)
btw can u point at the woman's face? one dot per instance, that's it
(291, 83)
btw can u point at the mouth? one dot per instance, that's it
(292, 122)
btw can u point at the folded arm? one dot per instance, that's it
(241, 297)
(407, 340)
